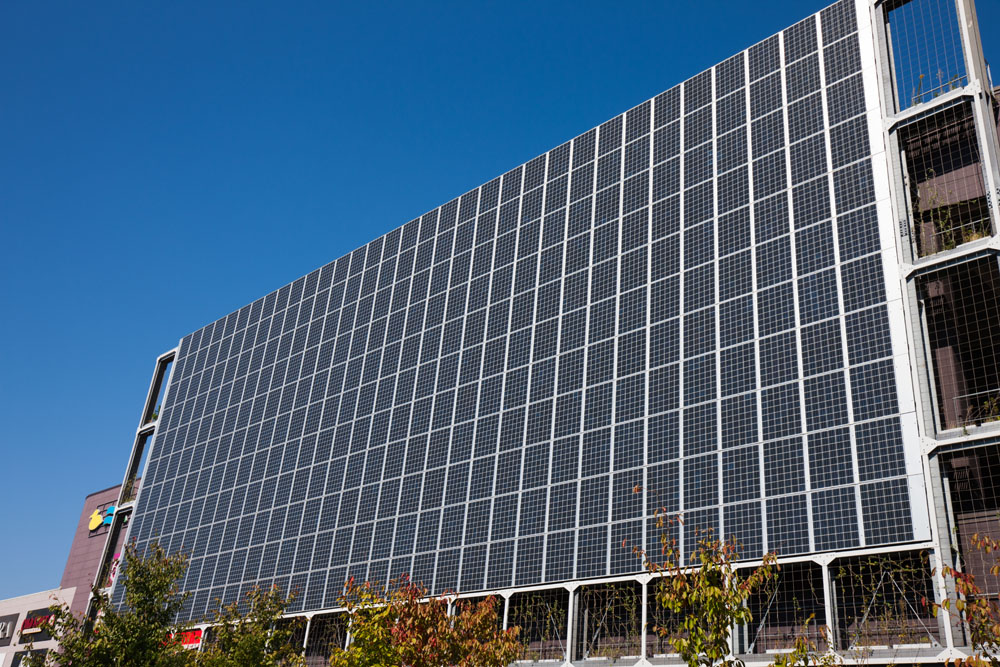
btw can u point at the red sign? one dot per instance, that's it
(190, 638)
(34, 623)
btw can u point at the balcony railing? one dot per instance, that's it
(978, 408)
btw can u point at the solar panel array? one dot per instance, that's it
(682, 310)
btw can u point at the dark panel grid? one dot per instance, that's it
(679, 309)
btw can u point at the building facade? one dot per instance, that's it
(764, 300)
(89, 541)
(21, 617)
(20, 623)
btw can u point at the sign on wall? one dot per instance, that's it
(101, 517)
(7, 627)
(191, 638)
(31, 626)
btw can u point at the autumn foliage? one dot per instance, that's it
(406, 627)
(980, 612)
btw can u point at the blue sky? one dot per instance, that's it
(162, 164)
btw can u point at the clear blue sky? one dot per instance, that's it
(162, 164)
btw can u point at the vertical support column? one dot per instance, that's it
(939, 495)
(733, 629)
(347, 628)
(305, 637)
(644, 620)
(829, 610)
(570, 624)
(941, 593)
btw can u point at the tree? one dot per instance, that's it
(143, 632)
(370, 627)
(708, 596)
(981, 613)
(258, 637)
(425, 636)
(406, 627)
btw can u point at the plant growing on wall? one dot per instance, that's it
(937, 213)
(541, 617)
(708, 595)
(954, 82)
(806, 653)
(609, 621)
(950, 224)
(990, 409)
(881, 603)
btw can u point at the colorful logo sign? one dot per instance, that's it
(99, 518)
